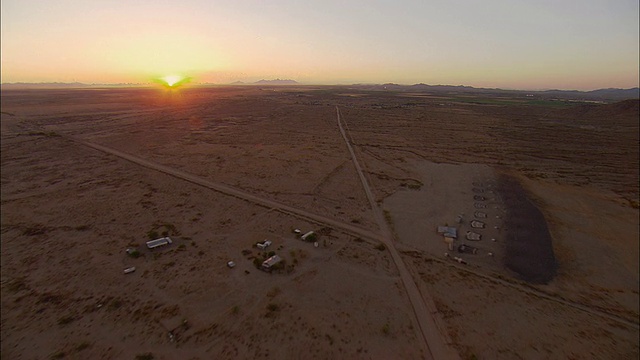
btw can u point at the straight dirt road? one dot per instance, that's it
(434, 336)
(228, 190)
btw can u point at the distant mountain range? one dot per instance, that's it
(268, 82)
(600, 94)
(610, 94)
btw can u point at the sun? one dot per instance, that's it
(173, 80)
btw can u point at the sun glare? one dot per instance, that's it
(172, 80)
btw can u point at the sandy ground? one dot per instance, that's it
(69, 212)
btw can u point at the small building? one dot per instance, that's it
(467, 249)
(448, 231)
(480, 215)
(263, 245)
(268, 264)
(159, 242)
(477, 224)
(473, 236)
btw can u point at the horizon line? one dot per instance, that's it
(256, 83)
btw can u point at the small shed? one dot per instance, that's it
(480, 215)
(477, 224)
(448, 231)
(159, 242)
(467, 249)
(473, 236)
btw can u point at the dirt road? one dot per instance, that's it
(348, 228)
(434, 336)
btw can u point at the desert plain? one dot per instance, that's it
(88, 173)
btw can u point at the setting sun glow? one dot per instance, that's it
(172, 80)
(493, 43)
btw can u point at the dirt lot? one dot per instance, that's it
(69, 212)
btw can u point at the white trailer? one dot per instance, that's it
(305, 236)
(159, 242)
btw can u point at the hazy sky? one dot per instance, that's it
(539, 44)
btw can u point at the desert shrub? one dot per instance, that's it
(42, 133)
(235, 310)
(273, 292)
(152, 234)
(35, 230)
(115, 304)
(381, 247)
(134, 254)
(386, 329)
(83, 227)
(271, 253)
(65, 320)
(387, 216)
(58, 355)
(330, 339)
(289, 268)
(273, 307)
(145, 356)
(279, 266)
(83, 345)
(171, 229)
(16, 285)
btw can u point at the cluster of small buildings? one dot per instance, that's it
(450, 234)
(151, 244)
(267, 265)
(272, 261)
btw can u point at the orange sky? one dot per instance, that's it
(493, 43)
